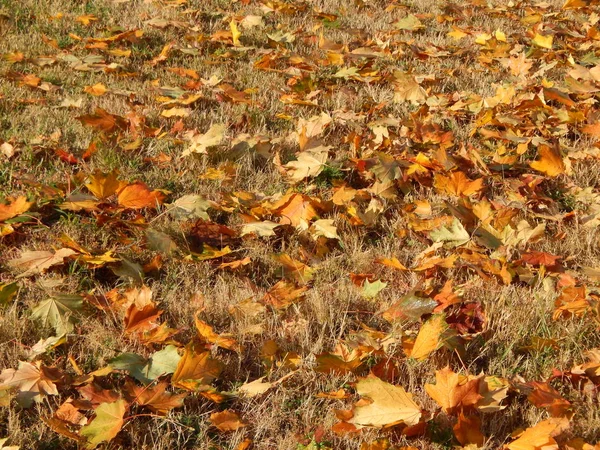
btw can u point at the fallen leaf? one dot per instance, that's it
(390, 405)
(106, 424)
(227, 421)
(450, 392)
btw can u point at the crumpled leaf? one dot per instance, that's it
(34, 262)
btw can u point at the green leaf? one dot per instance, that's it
(160, 242)
(57, 312)
(106, 425)
(132, 363)
(7, 292)
(162, 362)
(410, 306)
(129, 270)
(370, 290)
(455, 235)
(190, 206)
(409, 23)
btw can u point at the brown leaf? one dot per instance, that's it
(154, 397)
(103, 121)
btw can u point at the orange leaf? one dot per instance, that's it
(103, 121)
(540, 436)
(295, 209)
(206, 333)
(451, 392)
(15, 208)
(195, 370)
(468, 430)
(227, 421)
(457, 184)
(96, 90)
(138, 196)
(429, 337)
(550, 163)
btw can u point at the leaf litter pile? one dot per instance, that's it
(299, 225)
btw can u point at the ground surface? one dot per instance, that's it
(322, 224)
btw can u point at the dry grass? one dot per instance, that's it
(334, 309)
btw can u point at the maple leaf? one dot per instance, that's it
(455, 235)
(390, 405)
(235, 33)
(296, 210)
(58, 312)
(207, 334)
(407, 89)
(540, 436)
(255, 388)
(450, 392)
(138, 196)
(550, 163)
(265, 228)
(33, 381)
(543, 41)
(103, 185)
(297, 270)
(429, 337)
(96, 90)
(14, 208)
(543, 395)
(468, 430)
(458, 184)
(227, 421)
(106, 424)
(200, 143)
(195, 370)
(191, 206)
(103, 121)
(284, 294)
(35, 262)
(325, 228)
(309, 163)
(154, 397)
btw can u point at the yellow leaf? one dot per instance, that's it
(96, 90)
(106, 425)
(543, 41)
(235, 33)
(540, 436)
(390, 405)
(429, 337)
(550, 162)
